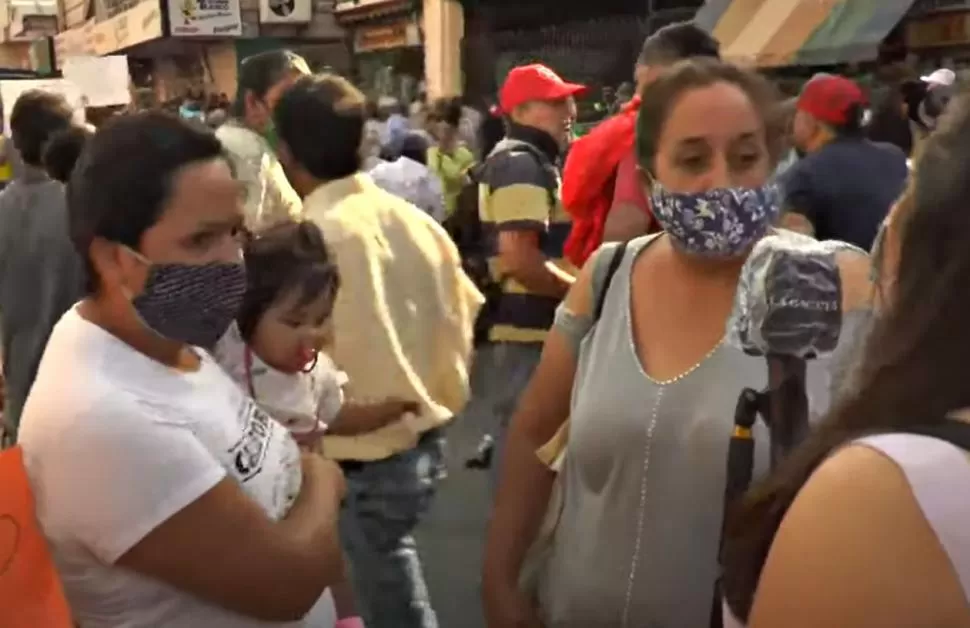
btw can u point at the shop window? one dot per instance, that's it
(396, 73)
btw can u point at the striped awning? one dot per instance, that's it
(773, 33)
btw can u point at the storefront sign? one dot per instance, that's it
(349, 5)
(31, 27)
(944, 29)
(205, 18)
(384, 36)
(285, 11)
(139, 24)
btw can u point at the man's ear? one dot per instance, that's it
(646, 177)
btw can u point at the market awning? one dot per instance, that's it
(771, 33)
(853, 32)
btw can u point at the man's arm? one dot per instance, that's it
(799, 211)
(519, 209)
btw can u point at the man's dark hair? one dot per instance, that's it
(259, 73)
(675, 42)
(321, 120)
(415, 146)
(446, 110)
(854, 126)
(36, 116)
(282, 259)
(123, 180)
(63, 150)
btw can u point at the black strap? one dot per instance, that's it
(615, 261)
(548, 167)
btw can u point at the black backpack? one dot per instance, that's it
(465, 228)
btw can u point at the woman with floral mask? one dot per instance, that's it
(250, 136)
(168, 497)
(649, 387)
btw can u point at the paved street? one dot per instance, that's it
(450, 539)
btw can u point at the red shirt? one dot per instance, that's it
(629, 185)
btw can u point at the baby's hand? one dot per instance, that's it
(309, 439)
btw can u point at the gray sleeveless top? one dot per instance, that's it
(644, 476)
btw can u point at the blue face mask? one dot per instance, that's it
(718, 223)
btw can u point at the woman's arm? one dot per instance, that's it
(526, 483)
(154, 500)
(224, 549)
(855, 550)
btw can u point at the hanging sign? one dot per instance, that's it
(204, 18)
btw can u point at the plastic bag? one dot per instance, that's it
(30, 590)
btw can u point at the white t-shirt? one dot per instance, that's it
(302, 402)
(115, 444)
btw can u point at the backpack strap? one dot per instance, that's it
(508, 146)
(602, 288)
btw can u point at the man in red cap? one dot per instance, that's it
(524, 227)
(844, 185)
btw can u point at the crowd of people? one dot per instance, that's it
(232, 355)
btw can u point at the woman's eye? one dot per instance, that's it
(202, 240)
(696, 162)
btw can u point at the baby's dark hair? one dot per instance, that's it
(283, 258)
(63, 150)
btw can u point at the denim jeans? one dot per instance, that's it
(512, 367)
(385, 500)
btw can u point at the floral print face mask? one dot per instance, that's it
(718, 223)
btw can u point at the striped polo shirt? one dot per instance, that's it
(519, 192)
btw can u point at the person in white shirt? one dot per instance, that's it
(276, 349)
(169, 498)
(250, 137)
(409, 177)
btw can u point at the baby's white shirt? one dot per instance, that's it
(302, 402)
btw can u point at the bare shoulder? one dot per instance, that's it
(836, 559)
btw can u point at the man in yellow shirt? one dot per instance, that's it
(402, 328)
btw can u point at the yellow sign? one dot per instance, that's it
(141, 23)
(385, 36)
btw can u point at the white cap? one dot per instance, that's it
(943, 76)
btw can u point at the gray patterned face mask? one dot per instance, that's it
(191, 303)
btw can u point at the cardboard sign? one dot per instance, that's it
(103, 81)
(30, 591)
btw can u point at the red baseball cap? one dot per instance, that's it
(828, 98)
(534, 82)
